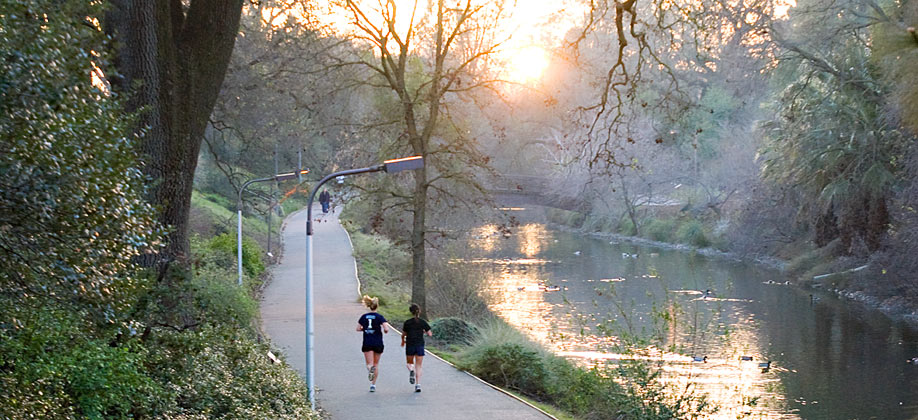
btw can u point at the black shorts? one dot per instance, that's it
(374, 349)
(417, 350)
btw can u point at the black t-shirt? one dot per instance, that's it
(414, 331)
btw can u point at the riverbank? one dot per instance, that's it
(845, 284)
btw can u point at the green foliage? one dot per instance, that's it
(382, 268)
(453, 331)
(226, 247)
(201, 343)
(72, 217)
(590, 393)
(512, 366)
(225, 302)
(691, 232)
(218, 199)
(84, 333)
(626, 227)
(221, 372)
(896, 52)
(832, 141)
(660, 229)
(72, 220)
(565, 217)
(53, 369)
(631, 389)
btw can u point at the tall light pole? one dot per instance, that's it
(389, 166)
(276, 178)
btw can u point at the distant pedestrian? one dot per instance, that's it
(373, 326)
(325, 200)
(413, 342)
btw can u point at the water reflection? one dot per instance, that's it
(717, 323)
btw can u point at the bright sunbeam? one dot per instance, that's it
(527, 64)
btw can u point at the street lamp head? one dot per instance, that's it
(403, 164)
(291, 175)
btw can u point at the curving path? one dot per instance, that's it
(340, 375)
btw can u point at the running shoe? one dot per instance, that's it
(411, 377)
(417, 388)
(372, 374)
(372, 388)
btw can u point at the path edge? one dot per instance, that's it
(495, 387)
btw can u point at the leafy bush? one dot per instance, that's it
(217, 293)
(692, 233)
(660, 230)
(84, 333)
(626, 227)
(590, 393)
(53, 369)
(72, 221)
(220, 372)
(627, 389)
(72, 216)
(453, 331)
(226, 245)
(513, 366)
(599, 223)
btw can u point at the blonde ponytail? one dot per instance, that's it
(371, 303)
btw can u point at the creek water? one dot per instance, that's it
(579, 295)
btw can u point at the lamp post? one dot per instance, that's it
(278, 177)
(389, 166)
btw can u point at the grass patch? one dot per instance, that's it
(660, 229)
(383, 271)
(692, 232)
(626, 227)
(812, 260)
(595, 223)
(506, 358)
(565, 217)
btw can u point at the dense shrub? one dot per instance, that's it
(513, 366)
(216, 292)
(52, 368)
(626, 389)
(225, 245)
(453, 331)
(221, 372)
(660, 230)
(72, 220)
(72, 216)
(692, 233)
(626, 227)
(590, 393)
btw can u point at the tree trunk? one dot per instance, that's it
(418, 250)
(171, 61)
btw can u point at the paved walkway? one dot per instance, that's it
(341, 376)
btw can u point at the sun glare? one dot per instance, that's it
(782, 7)
(527, 64)
(525, 33)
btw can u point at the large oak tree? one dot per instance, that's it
(172, 56)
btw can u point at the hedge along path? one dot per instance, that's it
(341, 377)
